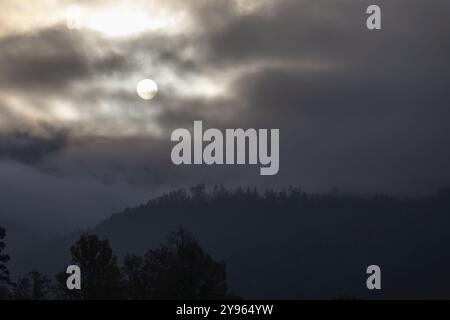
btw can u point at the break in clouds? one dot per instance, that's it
(358, 110)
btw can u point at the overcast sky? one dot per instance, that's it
(364, 111)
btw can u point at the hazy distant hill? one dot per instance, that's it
(293, 245)
(21, 241)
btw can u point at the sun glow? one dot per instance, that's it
(117, 24)
(65, 112)
(123, 20)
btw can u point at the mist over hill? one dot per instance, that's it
(288, 244)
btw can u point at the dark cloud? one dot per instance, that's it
(51, 59)
(333, 32)
(367, 111)
(25, 148)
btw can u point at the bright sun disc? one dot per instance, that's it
(147, 89)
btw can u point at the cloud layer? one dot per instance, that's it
(359, 110)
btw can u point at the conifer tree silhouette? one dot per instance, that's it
(4, 272)
(100, 274)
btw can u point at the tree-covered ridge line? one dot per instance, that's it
(286, 234)
(220, 194)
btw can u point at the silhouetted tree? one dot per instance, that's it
(4, 272)
(35, 287)
(40, 286)
(22, 289)
(198, 192)
(179, 270)
(101, 277)
(137, 286)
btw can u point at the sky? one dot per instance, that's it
(358, 110)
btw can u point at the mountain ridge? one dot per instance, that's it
(288, 244)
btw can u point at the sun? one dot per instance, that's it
(147, 89)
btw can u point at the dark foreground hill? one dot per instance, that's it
(290, 244)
